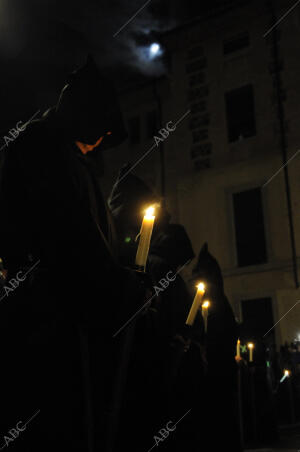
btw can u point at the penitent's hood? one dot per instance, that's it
(88, 108)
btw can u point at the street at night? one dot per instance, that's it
(150, 225)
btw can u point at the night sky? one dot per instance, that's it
(41, 41)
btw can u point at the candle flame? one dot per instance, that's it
(250, 345)
(286, 373)
(201, 287)
(206, 304)
(149, 213)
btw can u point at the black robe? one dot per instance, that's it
(220, 397)
(179, 373)
(163, 380)
(56, 328)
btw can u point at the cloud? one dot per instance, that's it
(64, 31)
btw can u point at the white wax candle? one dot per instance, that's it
(250, 346)
(196, 304)
(145, 238)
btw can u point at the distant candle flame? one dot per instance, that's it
(149, 213)
(206, 304)
(286, 374)
(250, 345)
(201, 287)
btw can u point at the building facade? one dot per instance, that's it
(233, 91)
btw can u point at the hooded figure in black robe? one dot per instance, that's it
(56, 327)
(180, 368)
(220, 395)
(161, 381)
(129, 198)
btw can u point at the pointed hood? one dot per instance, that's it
(208, 269)
(88, 108)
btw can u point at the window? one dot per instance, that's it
(201, 150)
(195, 52)
(240, 113)
(199, 121)
(257, 316)
(151, 124)
(197, 79)
(197, 93)
(134, 130)
(199, 107)
(196, 65)
(200, 135)
(236, 43)
(249, 228)
(201, 164)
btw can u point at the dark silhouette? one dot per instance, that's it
(129, 198)
(220, 399)
(165, 368)
(180, 366)
(63, 316)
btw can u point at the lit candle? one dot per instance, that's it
(145, 238)
(205, 306)
(196, 304)
(238, 348)
(250, 346)
(286, 374)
